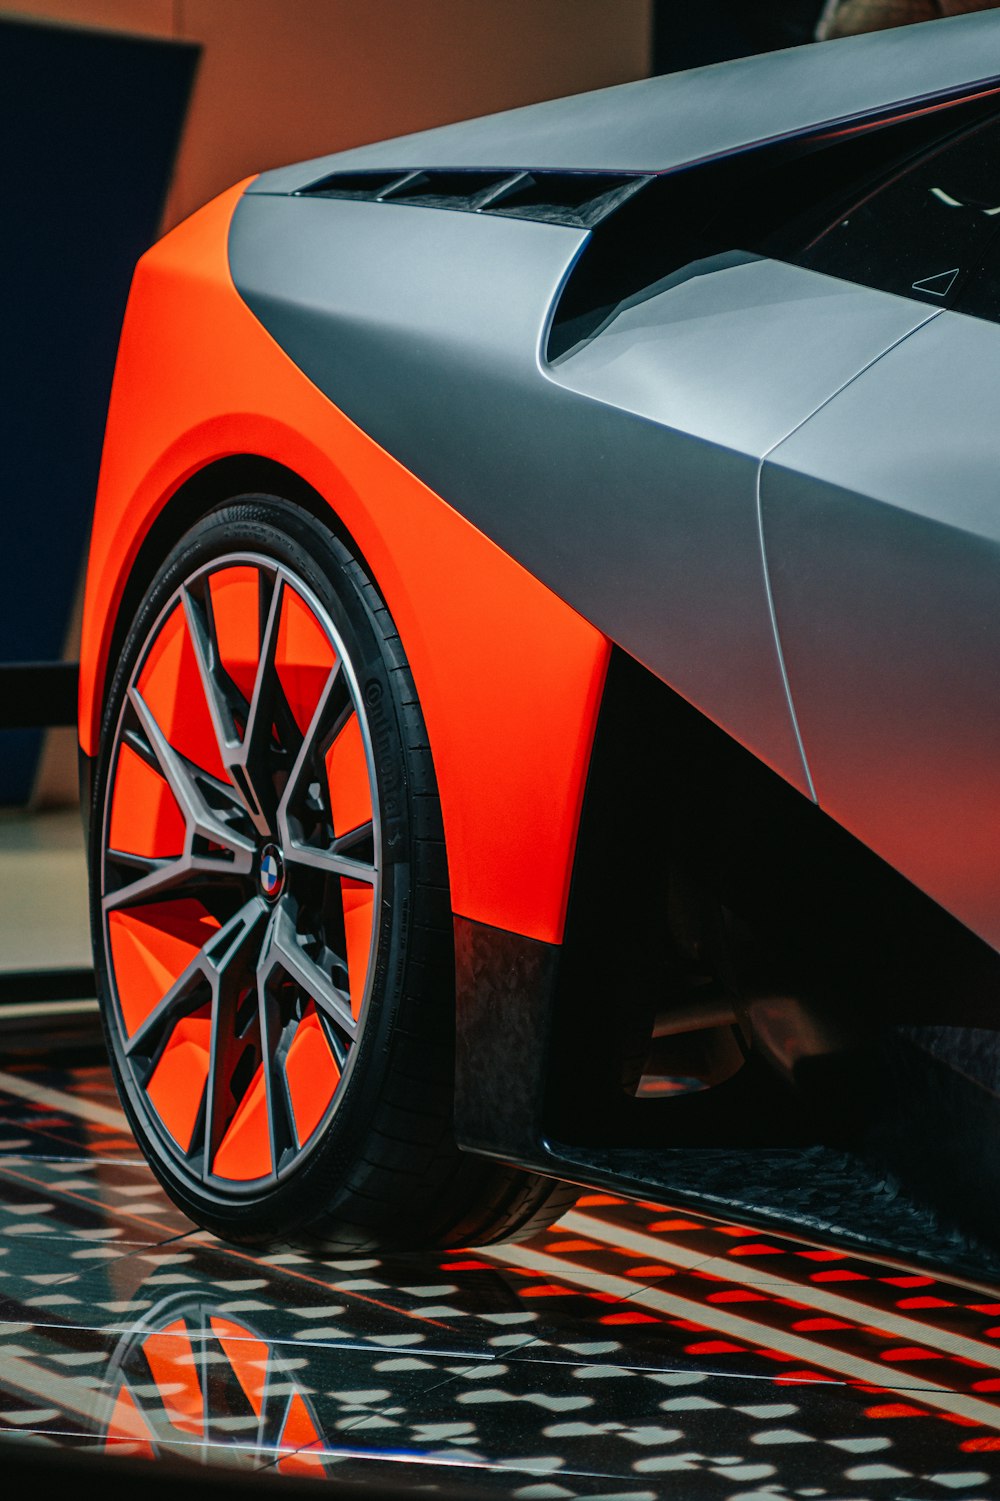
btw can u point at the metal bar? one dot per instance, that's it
(38, 695)
(18, 986)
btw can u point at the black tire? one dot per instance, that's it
(384, 1170)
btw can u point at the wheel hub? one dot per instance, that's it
(271, 872)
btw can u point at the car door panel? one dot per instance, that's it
(881, 521)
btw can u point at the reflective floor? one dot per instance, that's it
(633, 1350)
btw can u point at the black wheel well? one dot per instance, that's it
(810, 915)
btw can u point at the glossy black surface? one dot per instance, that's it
(920, 230)
(631, 1350)
(504, 985)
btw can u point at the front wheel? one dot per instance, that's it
(270, 907)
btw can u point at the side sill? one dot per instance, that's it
(505, 985)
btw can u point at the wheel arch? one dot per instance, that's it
(215, 483)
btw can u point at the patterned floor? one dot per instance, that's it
(632, 1351)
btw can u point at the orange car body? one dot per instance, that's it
(509, 676)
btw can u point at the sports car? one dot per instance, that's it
(539, 690)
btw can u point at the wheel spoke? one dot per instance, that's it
(280, 1118)
(330, 862)
(282, 949)
(245, 758)
(257, 735)
(206, 966)
(201, 820)
(145, 1038)
(169, 876)
(229, 960)
(304, 758)
(224, 792)
(138, 865)
(334, 860)
(364, 833)
(338, 1047)
(205, 654)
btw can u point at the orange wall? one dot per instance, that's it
(286, 79)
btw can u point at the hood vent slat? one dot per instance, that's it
(577, 199)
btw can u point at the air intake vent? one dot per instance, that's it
(461, 190)
(580, 199)
(364, 185)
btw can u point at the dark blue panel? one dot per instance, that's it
(90, 122)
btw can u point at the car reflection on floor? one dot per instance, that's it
(631, 1350)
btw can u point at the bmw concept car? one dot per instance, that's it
(540, 691)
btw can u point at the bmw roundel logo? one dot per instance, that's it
(272, 871)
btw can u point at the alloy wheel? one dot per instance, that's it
(241, 878)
